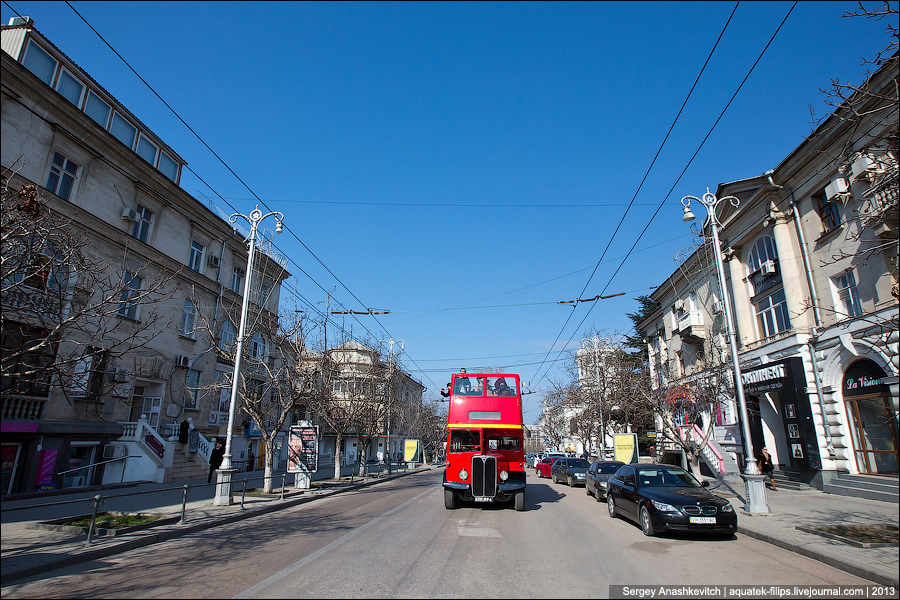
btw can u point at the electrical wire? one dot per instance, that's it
(683, 171)
(646, 173)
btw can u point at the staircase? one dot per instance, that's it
(186, 466)
(791, 480)
(865, 486)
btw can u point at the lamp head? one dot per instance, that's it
(278, 227)
(688, 214)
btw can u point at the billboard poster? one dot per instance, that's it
(410, 450)
(303, 449)
(626, 447)
(44, 479)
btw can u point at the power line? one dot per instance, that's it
(644, 178)
(381, 204)
(234, 173)
(683, 171)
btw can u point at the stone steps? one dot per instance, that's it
(872, 487)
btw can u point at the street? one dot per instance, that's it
(397, 540)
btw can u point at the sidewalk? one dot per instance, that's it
(792, 509)
(27, 550)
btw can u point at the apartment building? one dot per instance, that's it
(811, 271)
(96, 164)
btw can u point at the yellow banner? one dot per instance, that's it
(626, 447)
(410, 450)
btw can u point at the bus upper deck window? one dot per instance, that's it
(468, 386)
(501, 386)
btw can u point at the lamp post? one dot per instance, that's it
(390, 391)
(223, 476)
(596, 344)
(754, 480)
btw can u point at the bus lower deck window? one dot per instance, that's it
(465, 440)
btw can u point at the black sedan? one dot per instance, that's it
(667, 498)
(569, 470)
(597, 476)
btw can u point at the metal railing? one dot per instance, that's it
(103, 462)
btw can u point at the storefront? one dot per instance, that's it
(872, 419)
(780, 416)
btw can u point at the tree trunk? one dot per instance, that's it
(694, 459)
(269, 446)
(337, 455)
(363, 457)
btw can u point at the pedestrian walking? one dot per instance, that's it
(766, 466)
(215, 459)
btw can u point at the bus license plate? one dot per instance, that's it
(483, 499)
(703, 520)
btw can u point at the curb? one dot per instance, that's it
(10, 576)
(821, 557)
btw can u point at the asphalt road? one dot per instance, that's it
(397, 540)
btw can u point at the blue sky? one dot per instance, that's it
(439, 155)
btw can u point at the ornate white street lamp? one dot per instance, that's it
(224, 473)
(754, 480)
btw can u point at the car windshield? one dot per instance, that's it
(665, 477)
(579, 463)
(608, 468)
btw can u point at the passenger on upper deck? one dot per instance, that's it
(502, 389)
(465, 387)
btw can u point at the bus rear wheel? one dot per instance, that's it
(449, 499)
(520, 501)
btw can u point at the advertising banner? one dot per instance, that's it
(303, 450)
(626, 447)
(410, 450)
(44, 479)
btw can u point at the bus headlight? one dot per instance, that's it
(504, 475)
(463, 474)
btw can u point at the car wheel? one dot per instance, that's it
(611, 506)
(570, 482)
(520, 501)
(646, 522)
(449, 500)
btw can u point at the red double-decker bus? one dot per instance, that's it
(485, 441)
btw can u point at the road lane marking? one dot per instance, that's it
(254, 591)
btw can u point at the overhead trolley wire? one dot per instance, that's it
(646, 174)
(683, 171)
(238, 177)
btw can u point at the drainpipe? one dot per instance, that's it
(219, 281)
(811, 342)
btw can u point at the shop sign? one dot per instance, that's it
(626, 447)
(763, 375)
(303, 449)
(864, 377)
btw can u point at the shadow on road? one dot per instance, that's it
(537, 494)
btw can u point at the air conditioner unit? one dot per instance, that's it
(182, 360)
(129, 214)
(837, 187)
(213, 260)
(679, 305)
(717, 306)
(768, 267)
(863, 165)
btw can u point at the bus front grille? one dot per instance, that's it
(484, 476)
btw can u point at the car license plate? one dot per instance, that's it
(703, 520)
(483, 499)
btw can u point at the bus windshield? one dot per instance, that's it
(465, 440)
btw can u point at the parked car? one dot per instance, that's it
(570, 471)
(597, 477)
(667, 498)
(543, 468)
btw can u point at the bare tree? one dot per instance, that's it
(72, 309)
(552, 420)
(433, 429)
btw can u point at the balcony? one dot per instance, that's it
(23, 409)
(691, 328)
(31, 301)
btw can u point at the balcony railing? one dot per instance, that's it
(23, 409)
(30, 300)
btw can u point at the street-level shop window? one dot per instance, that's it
(61, 178)
(97, 109)
(847, 293)
(195, 261)
(38, 61)
(141, 227)
(772, 315)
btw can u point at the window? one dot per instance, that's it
(226, 340)
(237, 281)
(187, 319)
(196, 259)
(257, 346)
(146, 149)
(130, 289)
(97, 109)
(39, 62)
(762, 252)
(122, 130)
(61, 178)
(150, 410)
(70, 87)
(191, 388)
(81, 374)
(772, 315)
(845, 284)
(263, 293)
(465, 440)
(141, 227)
(829, 212)
(167, 166)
